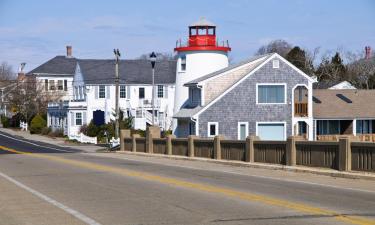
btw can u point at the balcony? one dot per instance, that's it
(300, 109)
(147, 103)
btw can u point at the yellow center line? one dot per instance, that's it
(299, 207)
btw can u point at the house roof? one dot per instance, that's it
(325, 84)
(130, 71)
(56, 66)
(343, 104)
(187, 112)
(234, 66)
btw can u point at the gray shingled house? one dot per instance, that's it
(265, 96)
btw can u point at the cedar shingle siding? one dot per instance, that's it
(239, 105)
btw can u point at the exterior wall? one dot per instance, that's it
(61, 94)
(239, 104)
(198, 64)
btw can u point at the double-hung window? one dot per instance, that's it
(122, 91)
(141, 93)
(101, 91)
(183, 63)
(160, 91)
(78, 119)
(60, 86)
(271, 93)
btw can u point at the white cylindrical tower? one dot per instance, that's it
(200, 56)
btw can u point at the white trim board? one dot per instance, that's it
(216, 128)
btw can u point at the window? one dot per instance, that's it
(365, 126)
(243, 130)
(122, 91)
(275, 63)
(183, 63)
(46, 84)
(328, 127)
(271, 93)
(141, 93)
(65, 85)
(60, 85)
(213, 129)
(101, 91)
(160, 91)
(78, 119)
(52, 85)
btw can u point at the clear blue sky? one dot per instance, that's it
(35, 31)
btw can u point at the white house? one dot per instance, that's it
(93, 94)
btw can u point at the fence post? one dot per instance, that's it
(123, 135)
(151, 132)
(191, 145)
(345, 154)
(250, 152)
(134, 142)
(290, 153)
(217, 147)
(169, 143)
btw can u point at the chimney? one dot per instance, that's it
(69, 51)
(367, 52)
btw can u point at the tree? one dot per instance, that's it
(279, 46)
(361, 71)
(37, 124)
(299, 58)
(331, 68)
(6, 72)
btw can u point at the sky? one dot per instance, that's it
(36, 31)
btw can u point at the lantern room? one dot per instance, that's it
(202, 36)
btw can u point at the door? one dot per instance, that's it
(98, 117)
(271, 131)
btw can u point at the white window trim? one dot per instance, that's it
(270, 122)
(239, 129)
(276, 63)
(216, 128)
(270, 84)
(105, 94)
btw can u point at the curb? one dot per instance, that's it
(296, 169)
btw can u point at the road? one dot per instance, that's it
(44, 184)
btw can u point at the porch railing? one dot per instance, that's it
(300, 109)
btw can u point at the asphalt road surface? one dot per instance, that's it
(44, 184)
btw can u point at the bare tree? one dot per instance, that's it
(279, 46)
(361, 70)
(6, 72)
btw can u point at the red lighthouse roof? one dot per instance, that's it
(202, 37)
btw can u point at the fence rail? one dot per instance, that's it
(339, 155)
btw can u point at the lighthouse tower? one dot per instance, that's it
(201, 55)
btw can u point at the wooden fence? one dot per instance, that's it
(342, 155)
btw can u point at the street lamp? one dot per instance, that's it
(153, 61)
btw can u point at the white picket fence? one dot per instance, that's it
(83, 138)
(23, 126)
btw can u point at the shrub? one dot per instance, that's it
(5, 121)
(56, 133)
(45, 130)
(37, 124)
(92, 130)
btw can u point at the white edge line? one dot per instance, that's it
(31, 143)
(65, 208)
(249, 175)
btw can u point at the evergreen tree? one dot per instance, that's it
(297, 57)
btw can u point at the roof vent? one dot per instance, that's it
(344, 98)
(316, 100)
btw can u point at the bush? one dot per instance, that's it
(5, 121)
(45, 130)
(56, 133)
(92, 130)
(37, 124)
(16, 119)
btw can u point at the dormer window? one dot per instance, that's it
(183, 63)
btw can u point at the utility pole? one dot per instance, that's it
(117, 81)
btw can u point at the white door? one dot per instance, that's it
(271, 131)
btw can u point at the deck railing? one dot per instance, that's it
(300, 109)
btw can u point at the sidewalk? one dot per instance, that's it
(58, 141)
